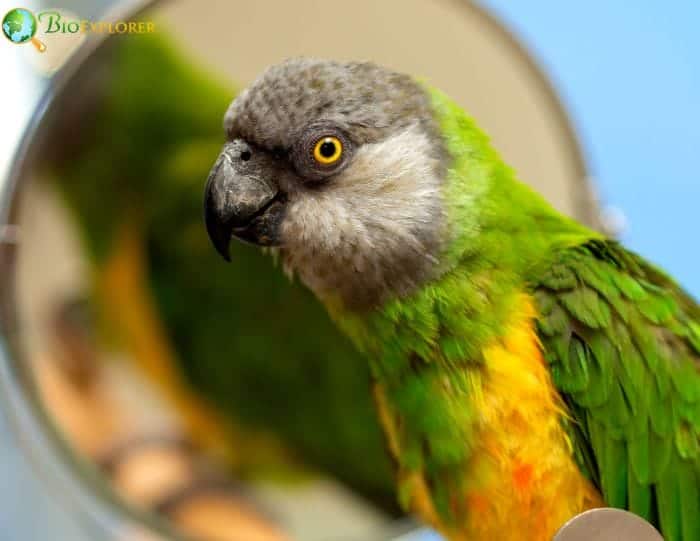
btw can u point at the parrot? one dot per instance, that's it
(524, 367)
(282, 395)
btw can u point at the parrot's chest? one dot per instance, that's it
(520, 480)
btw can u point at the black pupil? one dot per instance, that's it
(327, 149)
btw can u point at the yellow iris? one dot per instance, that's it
(328, 150)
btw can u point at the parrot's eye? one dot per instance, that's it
(321, 151)
(328, 150)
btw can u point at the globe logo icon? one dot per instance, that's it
(19, 26)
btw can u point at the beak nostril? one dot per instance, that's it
(245, 155)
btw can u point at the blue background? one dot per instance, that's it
(629, 74)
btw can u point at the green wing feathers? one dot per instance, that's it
(623, 343)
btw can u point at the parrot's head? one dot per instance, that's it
(339, 167)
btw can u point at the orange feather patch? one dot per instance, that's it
(522, 476)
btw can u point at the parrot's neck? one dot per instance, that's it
(499, 234)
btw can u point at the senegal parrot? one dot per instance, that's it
(525, 368)
(261, 377)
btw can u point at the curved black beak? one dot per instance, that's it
(240, 200)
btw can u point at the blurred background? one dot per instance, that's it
(150, 388)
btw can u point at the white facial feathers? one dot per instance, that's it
(373, 230)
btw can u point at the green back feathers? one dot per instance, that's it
(622, 342)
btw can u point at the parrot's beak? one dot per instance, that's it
(240, 201)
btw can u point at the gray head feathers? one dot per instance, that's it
(368, 100)
(374, 228)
